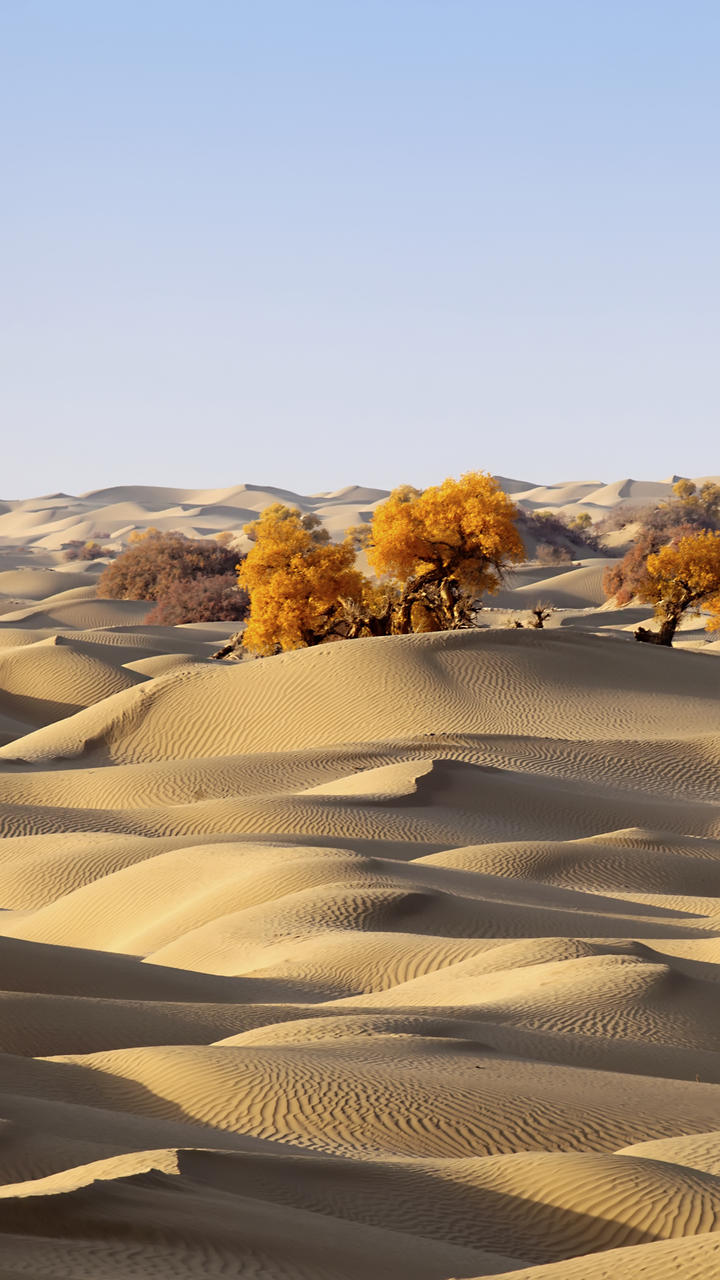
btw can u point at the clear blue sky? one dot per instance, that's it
(320, 242)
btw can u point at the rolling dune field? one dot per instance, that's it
(395, 958)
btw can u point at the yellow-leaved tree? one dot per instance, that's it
(442, 548)
(683, 575)
(435, 552)
(296, 579)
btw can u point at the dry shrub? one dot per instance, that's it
(546, 553)
(148, 568)
(561, 540)
(214, 599)
(629, 577)
(620, 517)
(689, 508)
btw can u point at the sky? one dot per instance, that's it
(312, 243)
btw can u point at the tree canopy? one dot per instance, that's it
(682, 575)
(295, 578)
(687, 511)
(435, 552)
(443, 547)
(702, 504)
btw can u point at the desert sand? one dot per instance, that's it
(396, 958)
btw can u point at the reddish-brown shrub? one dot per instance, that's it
(148, 568)
(629, 577)
(624, 579)
(214, 599)
(546, 553)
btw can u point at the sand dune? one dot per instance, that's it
(47, 523)
(394, 958)
(39, 584)
(698, 1151)
(78, 615)
(394, 687)
(574, 589)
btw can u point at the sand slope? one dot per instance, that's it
(395, 958)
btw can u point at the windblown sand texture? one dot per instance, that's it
(393, 959)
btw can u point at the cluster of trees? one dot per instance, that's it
(687, 506)
(558, 539)
(435, 552)
(192, 580)
(76, 549)
(674, 562)
(700, 507)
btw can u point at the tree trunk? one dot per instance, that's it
(449, 600)
(402, 620)
(668, 627)
(232, 646)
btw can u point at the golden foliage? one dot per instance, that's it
(704, 501)
(684, 490)
(462, 529)
(296, 579)
(435, 552)
(140, 535)
(685, 575)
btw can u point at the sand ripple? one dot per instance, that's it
(395, 958)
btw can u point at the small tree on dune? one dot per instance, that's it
(442, 548)
(435, 552)
(295, 579)
(685, 575)
(582, 522)
(628, 578)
